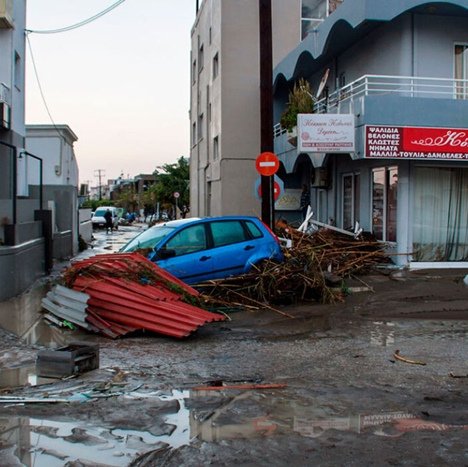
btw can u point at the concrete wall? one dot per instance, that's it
(418, 46)
(21, 265)
(85, 224)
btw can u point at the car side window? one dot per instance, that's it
(227, 232)
(189, 240)
(254, 231)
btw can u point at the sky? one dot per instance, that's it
(121, 82)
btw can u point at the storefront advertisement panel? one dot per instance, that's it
(326, 133)
(390, 142)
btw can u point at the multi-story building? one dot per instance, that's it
(38, 175)
(387, 143)
(225, 99)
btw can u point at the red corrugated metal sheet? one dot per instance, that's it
(128, 292)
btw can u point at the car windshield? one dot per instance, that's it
(147, 239)
(100, 212)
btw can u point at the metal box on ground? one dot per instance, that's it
(75, 358)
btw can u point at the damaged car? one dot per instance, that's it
(200, 249)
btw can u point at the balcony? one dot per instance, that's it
(343, 100)
(390, 100)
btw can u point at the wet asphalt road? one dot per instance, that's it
(341, 395)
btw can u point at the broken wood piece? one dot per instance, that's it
(397, 356)
(240, 386)
(453, 375)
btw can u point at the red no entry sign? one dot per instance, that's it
(267, 164)
(278, 188)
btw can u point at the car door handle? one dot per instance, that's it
(205, 258)
(249, 247)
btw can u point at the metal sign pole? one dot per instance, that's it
(266, 105)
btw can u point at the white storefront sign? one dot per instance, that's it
(326, 133)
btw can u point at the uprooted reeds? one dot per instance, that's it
(314, 269)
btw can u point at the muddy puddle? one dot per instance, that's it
(200, 415)
(40, 442)
(23, 376)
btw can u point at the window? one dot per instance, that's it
(254, 231)
(461, 71)
(194, 72)
(215, 66)
(200, 127)
(384, 203)
(194, 134)
(201, 57)
(227, 232)
(215, 148)
(189, 240)
(315, 11)
(18, 72)
(351, 200)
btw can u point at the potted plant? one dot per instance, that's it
(300, 101)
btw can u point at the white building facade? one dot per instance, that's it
(225, 101)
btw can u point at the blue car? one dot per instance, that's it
(199, 249)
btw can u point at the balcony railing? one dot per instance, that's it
(4, 93)
(342, 100)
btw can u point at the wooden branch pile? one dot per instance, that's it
(306, 272)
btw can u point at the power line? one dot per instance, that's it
(40, 87)
(77, 25)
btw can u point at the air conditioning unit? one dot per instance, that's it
(321, 179)
(6, 14)
(5, 116)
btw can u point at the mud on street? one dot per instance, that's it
(325, 387)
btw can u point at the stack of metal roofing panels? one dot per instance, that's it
(127, 292)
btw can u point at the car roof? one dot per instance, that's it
(190, 220)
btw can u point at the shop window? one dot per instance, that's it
(351, 200)
(461, 71)
(322, 206)
(384, 203)
(440, 214)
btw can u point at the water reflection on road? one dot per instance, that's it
(200, 416)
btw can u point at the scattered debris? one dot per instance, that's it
(240, 386)
(397, 356)
(314, 266)
(116, 294)
(75, 358)
(453, 375)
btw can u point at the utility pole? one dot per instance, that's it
(99, 173)
(266, 106)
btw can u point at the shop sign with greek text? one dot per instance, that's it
(383, 142)
(329, 133)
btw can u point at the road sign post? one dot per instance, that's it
(176, 197)
(267, 164)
